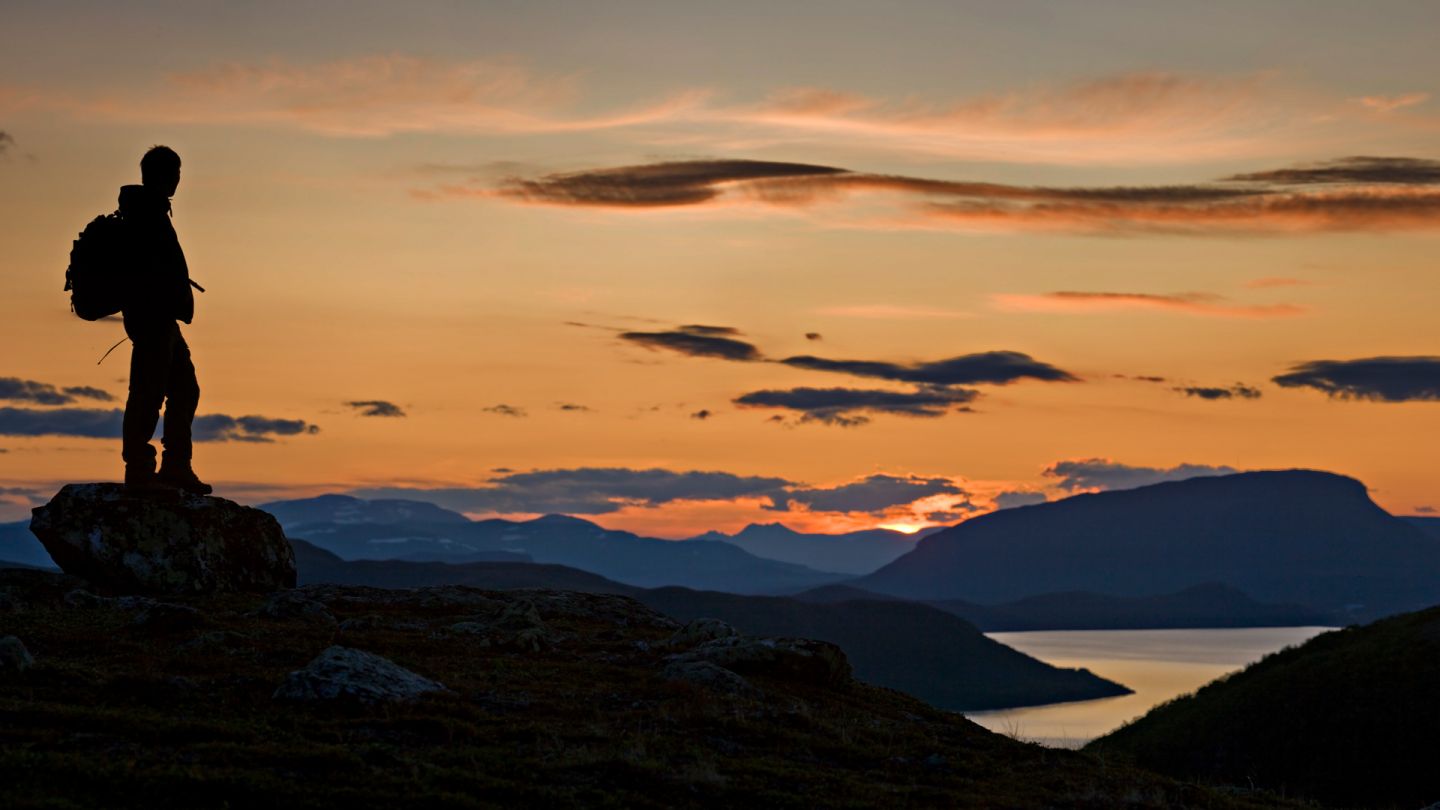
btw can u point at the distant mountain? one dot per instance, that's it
(344, 509)
(621, 556)
(915, 648)
(316, 565)
(1348, 718)
(1210, 605)
(1296, 536)
(852, 553)
(18, 545)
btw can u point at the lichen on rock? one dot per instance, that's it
(175, 544)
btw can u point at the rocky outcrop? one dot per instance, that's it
(175, 544)
(350, 675)
(13, 655)
(795, 659)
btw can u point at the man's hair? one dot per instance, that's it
(160, 160)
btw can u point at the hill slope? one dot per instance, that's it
(142, 706)
(1295, 536)
(907, 646)
(1349, 717)
(916, 648)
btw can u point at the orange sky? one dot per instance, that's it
(456, 210)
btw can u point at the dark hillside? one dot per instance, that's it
(1349, 718)
(552, 699)
(903, 645)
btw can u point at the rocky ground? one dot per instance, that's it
(353, 697)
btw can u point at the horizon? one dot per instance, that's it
(672, 271)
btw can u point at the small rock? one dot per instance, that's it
(710, 676)
(217, 639)
(796, 659)
(346, 674)
(13, 655)
(165, 617)
(295, 605)
(700, 631)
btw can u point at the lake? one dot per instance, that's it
(1157, 664)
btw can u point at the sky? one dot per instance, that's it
(675, 267)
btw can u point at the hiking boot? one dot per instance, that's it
(183, 478)
(142, 482)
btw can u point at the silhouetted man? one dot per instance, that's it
(160, 367)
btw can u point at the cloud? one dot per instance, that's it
(376, 407)
(1386, 104)
(18, 390)
(505, 410)
(701, 414)
(814, 336)
(697, 341)
(995, 368)
(1425, 510)
(1139, 116)
(1104, 474)
(1379, 379)
(1350, 170)
(1191, 303)
(1017, 498)
(846, 407)
(657, 184)
(1149, 378)
(573, 407)
(222, 428)
(7, 142)
(368, 96)
(106, 424)
(1238, 390)
(591, 490)
(874, 494)
(1351, 194)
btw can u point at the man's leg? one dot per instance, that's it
(149, 376)
(182, 396)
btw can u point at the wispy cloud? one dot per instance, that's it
(1190, 303)
(697, 341)
(106, 424)
(1352, 194)
(376, 407)
(992, 368)
(1386, 104)
(1379, 379)
(1236, 391)
(505, 410)
(852, 407)
(15, 389)
(368, 96)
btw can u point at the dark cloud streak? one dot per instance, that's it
(1379, 379)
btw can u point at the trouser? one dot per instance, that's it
(160, 373)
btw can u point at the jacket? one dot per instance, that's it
(159, 277)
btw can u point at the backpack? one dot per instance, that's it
(98, 268)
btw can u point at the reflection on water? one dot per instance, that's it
(1157, 664)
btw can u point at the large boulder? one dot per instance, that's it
(171, 544)
(818, 663)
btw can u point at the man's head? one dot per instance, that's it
(160, 170)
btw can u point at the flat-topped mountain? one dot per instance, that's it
(849, 553)
(1296, 536)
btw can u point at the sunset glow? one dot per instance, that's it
(674, 271)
